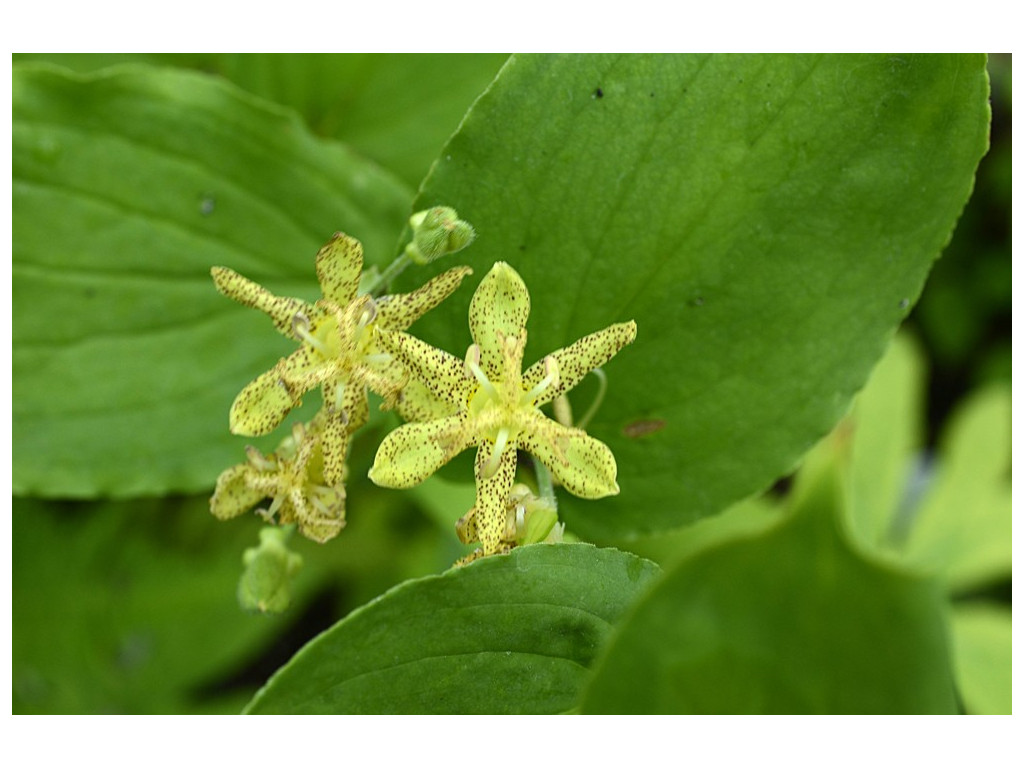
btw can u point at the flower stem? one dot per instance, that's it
(545, 485)
(393, 270)
(602, 387)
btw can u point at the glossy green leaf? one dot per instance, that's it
(396, 109)
(963, 528)
(766, 220)
(982, 651)
(127, 187)
(507, 634)
(793, 620)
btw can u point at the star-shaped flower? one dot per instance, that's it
(293, 477)
(496, 407)
(338, 347)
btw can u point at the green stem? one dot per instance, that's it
(545, 485)
(393, 270)
(602, 385)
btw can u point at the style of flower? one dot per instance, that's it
(293, 478)
(496, 407)
(338, 347)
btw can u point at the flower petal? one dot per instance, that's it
(582, 464)
(417, 403)
(261, 405)
(233, 494)
(441, 373)
(500, 305)
(339, 265)
(579, 359)
(281, 309)
(413, 452)
(492, 497)
(345, 410)
(398, 312)
(322, 516)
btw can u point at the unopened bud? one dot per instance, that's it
(269, 568)
(436, 233)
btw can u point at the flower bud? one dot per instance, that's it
(269, 568)
(436, 233)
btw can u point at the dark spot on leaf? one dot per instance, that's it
(643, 427)
(697, 301)
(598, 93)
(89, 293)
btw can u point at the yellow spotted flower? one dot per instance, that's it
(496, 407)
(293, 478)
(338, 347)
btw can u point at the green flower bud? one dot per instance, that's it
(436, 233)
(269, 568)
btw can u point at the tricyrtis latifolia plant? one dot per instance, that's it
(352, 342)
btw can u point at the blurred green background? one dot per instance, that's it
(129, 606)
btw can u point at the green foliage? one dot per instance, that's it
(793, 620)
(765, 220)
(158, 175)
(768, 222)
(509, 634)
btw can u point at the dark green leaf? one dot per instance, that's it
(396, 109)
(793, 620)
(766, 220)
(508, 634)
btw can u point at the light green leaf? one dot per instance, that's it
(507, 634)
(766, 220)
(963, 528)
(127, 187)
(982, 649)
(887, 433)
(792, 620)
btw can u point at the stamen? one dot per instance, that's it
(383, 358)
(301, 329)
(369, 313)
(258, 460)
(549, 380)
(495, 460)
(339, 396)
(473, 366)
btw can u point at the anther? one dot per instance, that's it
(300, 325)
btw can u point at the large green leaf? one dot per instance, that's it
(128, 186)
(792, 620)
(766, 220)
(395, 109)
(508, 634)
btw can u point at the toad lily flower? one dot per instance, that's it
(338, 347)
(292, 476)
(496, 407)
